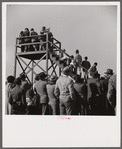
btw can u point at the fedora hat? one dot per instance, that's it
(109, 71)
(66, 70)
(53, 78)
(42, 75)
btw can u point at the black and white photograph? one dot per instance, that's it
(61, 67)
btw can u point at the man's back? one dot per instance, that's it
(63, 84)
(86, 64)
(25, 85)
(17, 98)
(104, 84)
(91, 88)
(40, 87)
(81, 89)
(112, 90)
(50, 91)
(78, 59)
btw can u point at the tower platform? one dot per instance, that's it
(32, 55)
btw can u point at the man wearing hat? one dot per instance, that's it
(94, 92)
(65, 91)
(40, 88)
(104, 83)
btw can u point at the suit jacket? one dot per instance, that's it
(64, 88)
(78, 59)
(25, 85)
(17, 99)
(52, 98)
(93, 89)
(40, 88)
(104, 84)
(112, 91)
(86, 64)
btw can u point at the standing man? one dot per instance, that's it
(111, 95)
(24, 83)
(86, 64)
(94, 94)
(9, 86)
(34, 39)
(27, 39)
(64, 89)
(17, 98)
(40, 88)
(93, 69)
(104, 83)
(53, 101)
(78, 61)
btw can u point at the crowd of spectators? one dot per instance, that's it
(64, 95)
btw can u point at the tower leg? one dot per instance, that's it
(15, 61)
(32, 73)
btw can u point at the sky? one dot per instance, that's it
(90, 28)
(93, 30)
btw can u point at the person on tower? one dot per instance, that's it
(78, 61)
(21, 40)
(27, 39)
(93, 69)
(34, 39)
(43, 38)
(86, 65)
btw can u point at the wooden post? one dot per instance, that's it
(15, 60)
(47, 53)
(60, 55)
(32, 73)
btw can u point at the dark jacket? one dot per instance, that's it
(17, 99)
(93, 90)
(104, 84)
(25, 85)
(86, 64)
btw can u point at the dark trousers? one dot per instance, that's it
(31, 110)
(66, 108)
(53, 109)
(44, 109)
(15, 112)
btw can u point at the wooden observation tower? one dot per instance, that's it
(50, 56)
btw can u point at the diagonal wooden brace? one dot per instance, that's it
(31, 69)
